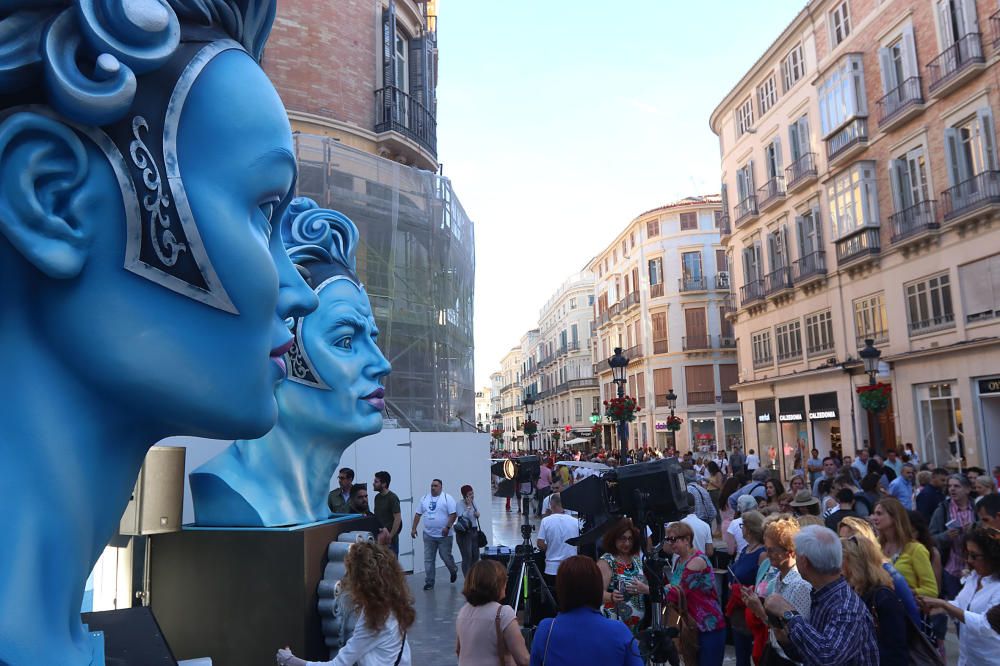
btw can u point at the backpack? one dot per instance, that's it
(749, 491)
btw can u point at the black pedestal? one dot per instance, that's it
(237, 595)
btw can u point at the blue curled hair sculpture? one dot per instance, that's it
(119, 71)
(322, 244)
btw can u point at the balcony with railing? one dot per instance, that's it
(656, 290)
(778, 281)
(631, 300)
(751, 292)
(913, 221)
(942, 322)
(771, 193)
(858, 245)
(603, 317)
(979, 192)
(701, 397)
(633, 352)
(801, 172)
(397, 111)
(727, 342)
(697, 283)
(809, 267)
(995, 30)
(848, 140)
(724, 227)
(702, 342)
(880, 338)
(901, 103)
(763, 361)
(820, 347)
(746, 210)
(722, 281)
(955, 65)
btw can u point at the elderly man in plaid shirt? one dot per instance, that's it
(840, 630)
(703, 506)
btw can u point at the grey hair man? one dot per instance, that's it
(840, 629)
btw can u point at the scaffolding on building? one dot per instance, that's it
(417, 261)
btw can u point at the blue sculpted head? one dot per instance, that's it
(145, 160)
(334, 395)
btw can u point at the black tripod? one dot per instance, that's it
(655, 643)
(523, 562)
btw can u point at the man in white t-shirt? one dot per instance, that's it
(555, 530)
(439, 512)
(753, 460)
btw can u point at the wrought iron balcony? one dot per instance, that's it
(633, 352)
(900, 103)
(810, 266)
(778, 281)
(752, 291)
(850, 138)
(770, 193)
(801, 171)
(864, 242)
(656, 290)
(724, 228)
(692, 284)
(727, 342)
(746, 210)
(396, 111)
(955, 64)
(631, 300)
(980, 191)
(914, 220)
(696, 342)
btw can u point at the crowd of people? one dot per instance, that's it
(863, 562)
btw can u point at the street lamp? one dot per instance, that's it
(672, 404)
(870, 355)
(595, 418)
(618, 364)
(528, 403)
(498, 425)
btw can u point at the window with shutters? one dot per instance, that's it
(721, 263)
(402, 60)
(772, 159)
(752, 264)
(970, 147)
(853, 198)
(928, 305)
(788, 341)
(655, 267)
(819, 332)
(663, 383)
(810, 240)
(726, 327)
(908, 180)
(631, 239)
(640, 388)
(980, 285)
(578, 408)
(956, 19)
(760, 347)
(660, 337)
(777, 250)
(692, 277)
(744, 117)
(870, 320)
(652, 229)
(767, 95)
(842, 95)
(700, 381)
(729, 376)
(840, 23)
(793, 67)
(689, 221)
(718, 218)
(696, 329)
(744, 185)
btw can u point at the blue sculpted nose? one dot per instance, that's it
(295, 297)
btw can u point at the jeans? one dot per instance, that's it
(468, 547)
(743, 647)
(711, 647)
(432, 547)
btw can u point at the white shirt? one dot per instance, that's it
(434, 512)
(753, 461)
(978, 644)
(554, 531)
(371, 648)
(546, 507)
(702, 531)
(736, 529)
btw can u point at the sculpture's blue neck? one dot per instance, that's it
(84, 456)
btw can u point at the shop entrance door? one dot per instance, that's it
(882, 430)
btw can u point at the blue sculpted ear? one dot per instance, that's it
(42, 164)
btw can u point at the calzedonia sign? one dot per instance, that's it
(823, 407)
(791, 410)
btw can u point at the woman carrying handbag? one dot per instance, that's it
(487, 631)
(467, 529)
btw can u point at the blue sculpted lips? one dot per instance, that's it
(278, 354)
(376, 399)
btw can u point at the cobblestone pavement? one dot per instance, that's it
(432, 638)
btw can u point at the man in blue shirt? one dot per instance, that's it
(861, 462)
(892, 461)
(902, 486)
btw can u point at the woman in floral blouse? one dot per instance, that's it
(693, 575)
(624, 582)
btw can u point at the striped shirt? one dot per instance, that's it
(839, 631)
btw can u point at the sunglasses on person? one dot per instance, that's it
(672, 539)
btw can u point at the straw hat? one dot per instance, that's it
(803, 498)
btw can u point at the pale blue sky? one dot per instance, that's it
(559, 121)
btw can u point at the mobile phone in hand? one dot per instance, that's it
(775, 621)
(953, 525)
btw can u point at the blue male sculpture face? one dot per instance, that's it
(340, 338)
(194, 368)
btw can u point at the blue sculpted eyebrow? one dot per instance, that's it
(349, 320)
(280, 154)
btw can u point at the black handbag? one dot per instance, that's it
(481, 539)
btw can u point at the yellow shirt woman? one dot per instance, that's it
(914, 563)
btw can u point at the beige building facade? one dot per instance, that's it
(511, 394)
(861, 186)
(662, 295)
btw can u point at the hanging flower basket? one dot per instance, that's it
(530, 427)
(621, 409)
(497, 434)
(674, 423)
(874, 398)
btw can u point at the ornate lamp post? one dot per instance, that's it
(672, 424)
(618, 364)
(498, 430)
(595, 418)
(530, 426)
(874, 398)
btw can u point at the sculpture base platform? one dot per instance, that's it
(238, 594)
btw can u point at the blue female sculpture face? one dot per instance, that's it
(340, 338)
(193, 368)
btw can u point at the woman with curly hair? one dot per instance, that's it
(625, 585)
(862, 529)
(375, 582)
(978, 643)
